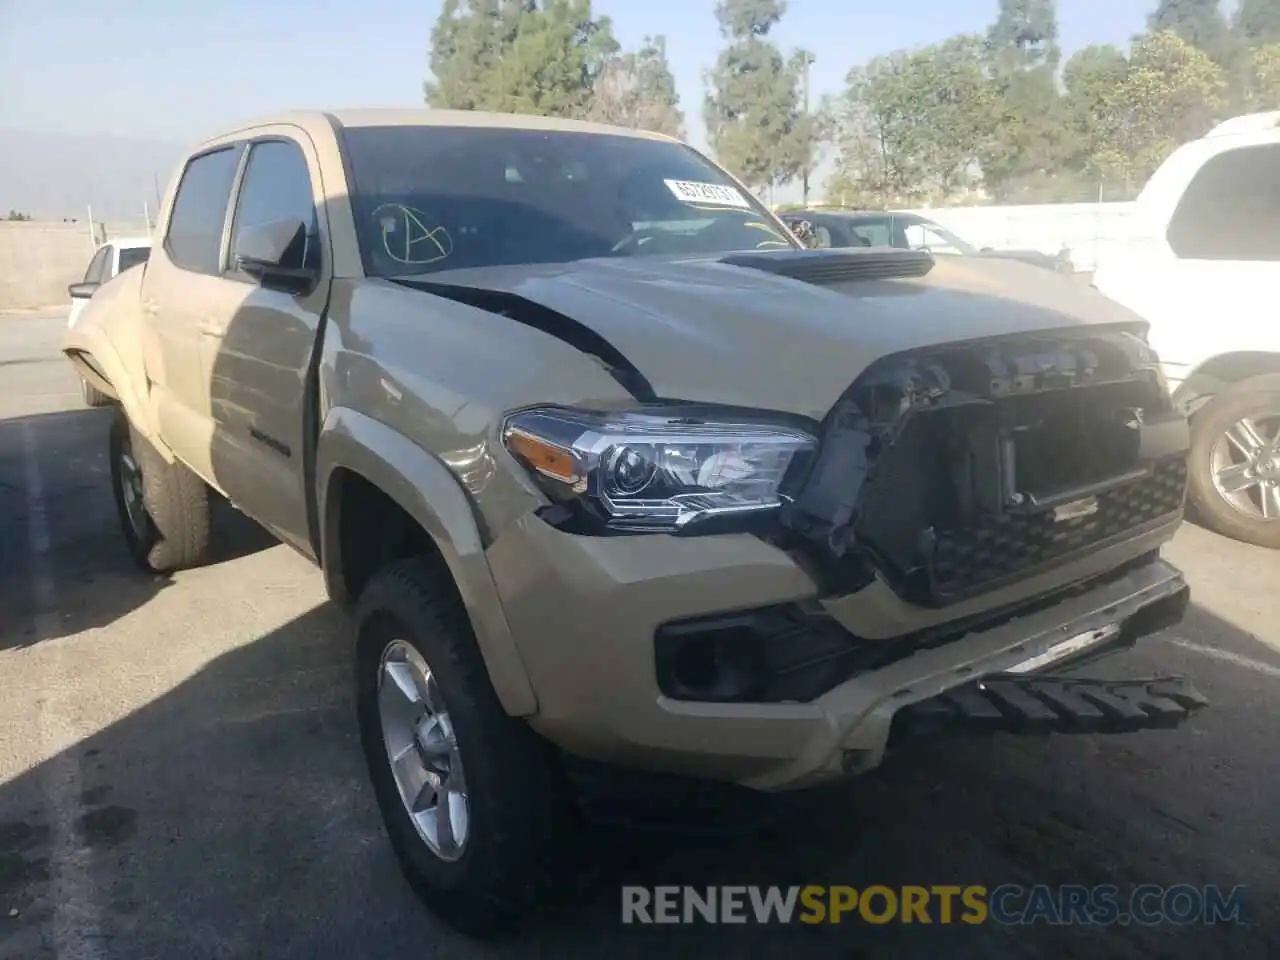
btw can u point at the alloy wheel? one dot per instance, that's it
(423, 751)
(1245, 465)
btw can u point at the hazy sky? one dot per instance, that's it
(178, 69)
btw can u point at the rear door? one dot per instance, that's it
(182, 299)
(258, 354)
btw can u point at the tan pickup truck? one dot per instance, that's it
(620, 479)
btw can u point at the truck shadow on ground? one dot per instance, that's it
(66, 455)
(231, 817)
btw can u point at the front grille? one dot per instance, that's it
(1009, 545)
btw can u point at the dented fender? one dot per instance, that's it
(106, 346)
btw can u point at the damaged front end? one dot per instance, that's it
(952, 471)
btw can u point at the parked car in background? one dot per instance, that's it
(109, 261)
(1204, 271)
(906, 231)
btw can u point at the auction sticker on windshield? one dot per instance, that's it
(691, 191)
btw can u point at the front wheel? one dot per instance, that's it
(468, 795)
(1234, 484)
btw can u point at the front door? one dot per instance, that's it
(259, 352)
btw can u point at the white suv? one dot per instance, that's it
(1205, 273)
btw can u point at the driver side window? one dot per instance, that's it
(277, 186)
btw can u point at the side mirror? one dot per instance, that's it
(275, 253)
(84, 290)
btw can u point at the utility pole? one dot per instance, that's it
(808, 131)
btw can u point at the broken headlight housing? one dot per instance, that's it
(648, 472)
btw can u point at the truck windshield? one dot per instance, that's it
(431, 198)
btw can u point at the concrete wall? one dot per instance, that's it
(38, 260)
(1088, 230)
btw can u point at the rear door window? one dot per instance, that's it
(1231, 208)
(194, 238)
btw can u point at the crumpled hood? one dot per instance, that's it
(701, 330)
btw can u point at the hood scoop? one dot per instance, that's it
(828, 267)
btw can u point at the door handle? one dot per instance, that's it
(210, 328)
(150, 304)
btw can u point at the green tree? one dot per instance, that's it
(1031, 136)
(1262, 78)
(1258, 21)
(1093, 79)
(520, 56)
(638, 90)
(1025, 34)
(755, 121)
(468, 41)
(1198, 22)
(913, 124)
(1170, 93)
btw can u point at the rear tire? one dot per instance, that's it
(163, 507)
(502, 861)
(93, 397)
(1238, 515)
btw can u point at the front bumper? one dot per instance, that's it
(585, 611)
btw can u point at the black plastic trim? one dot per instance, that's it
(948, 412)
(797, 653)
(823, 267)
(1041, 704)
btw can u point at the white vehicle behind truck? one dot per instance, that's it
(109, 261)
(1205, 273)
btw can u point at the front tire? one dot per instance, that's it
(1234, 483)
(163, 507)
(477, 847)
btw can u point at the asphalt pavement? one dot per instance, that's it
(180, 774)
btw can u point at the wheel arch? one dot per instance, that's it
(106, 348)
(361, 461)
(1225, 370)
(101, 367)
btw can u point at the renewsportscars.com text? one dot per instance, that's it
(1009, 904)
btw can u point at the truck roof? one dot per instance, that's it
(319, 120)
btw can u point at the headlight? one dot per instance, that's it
(648, 472)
